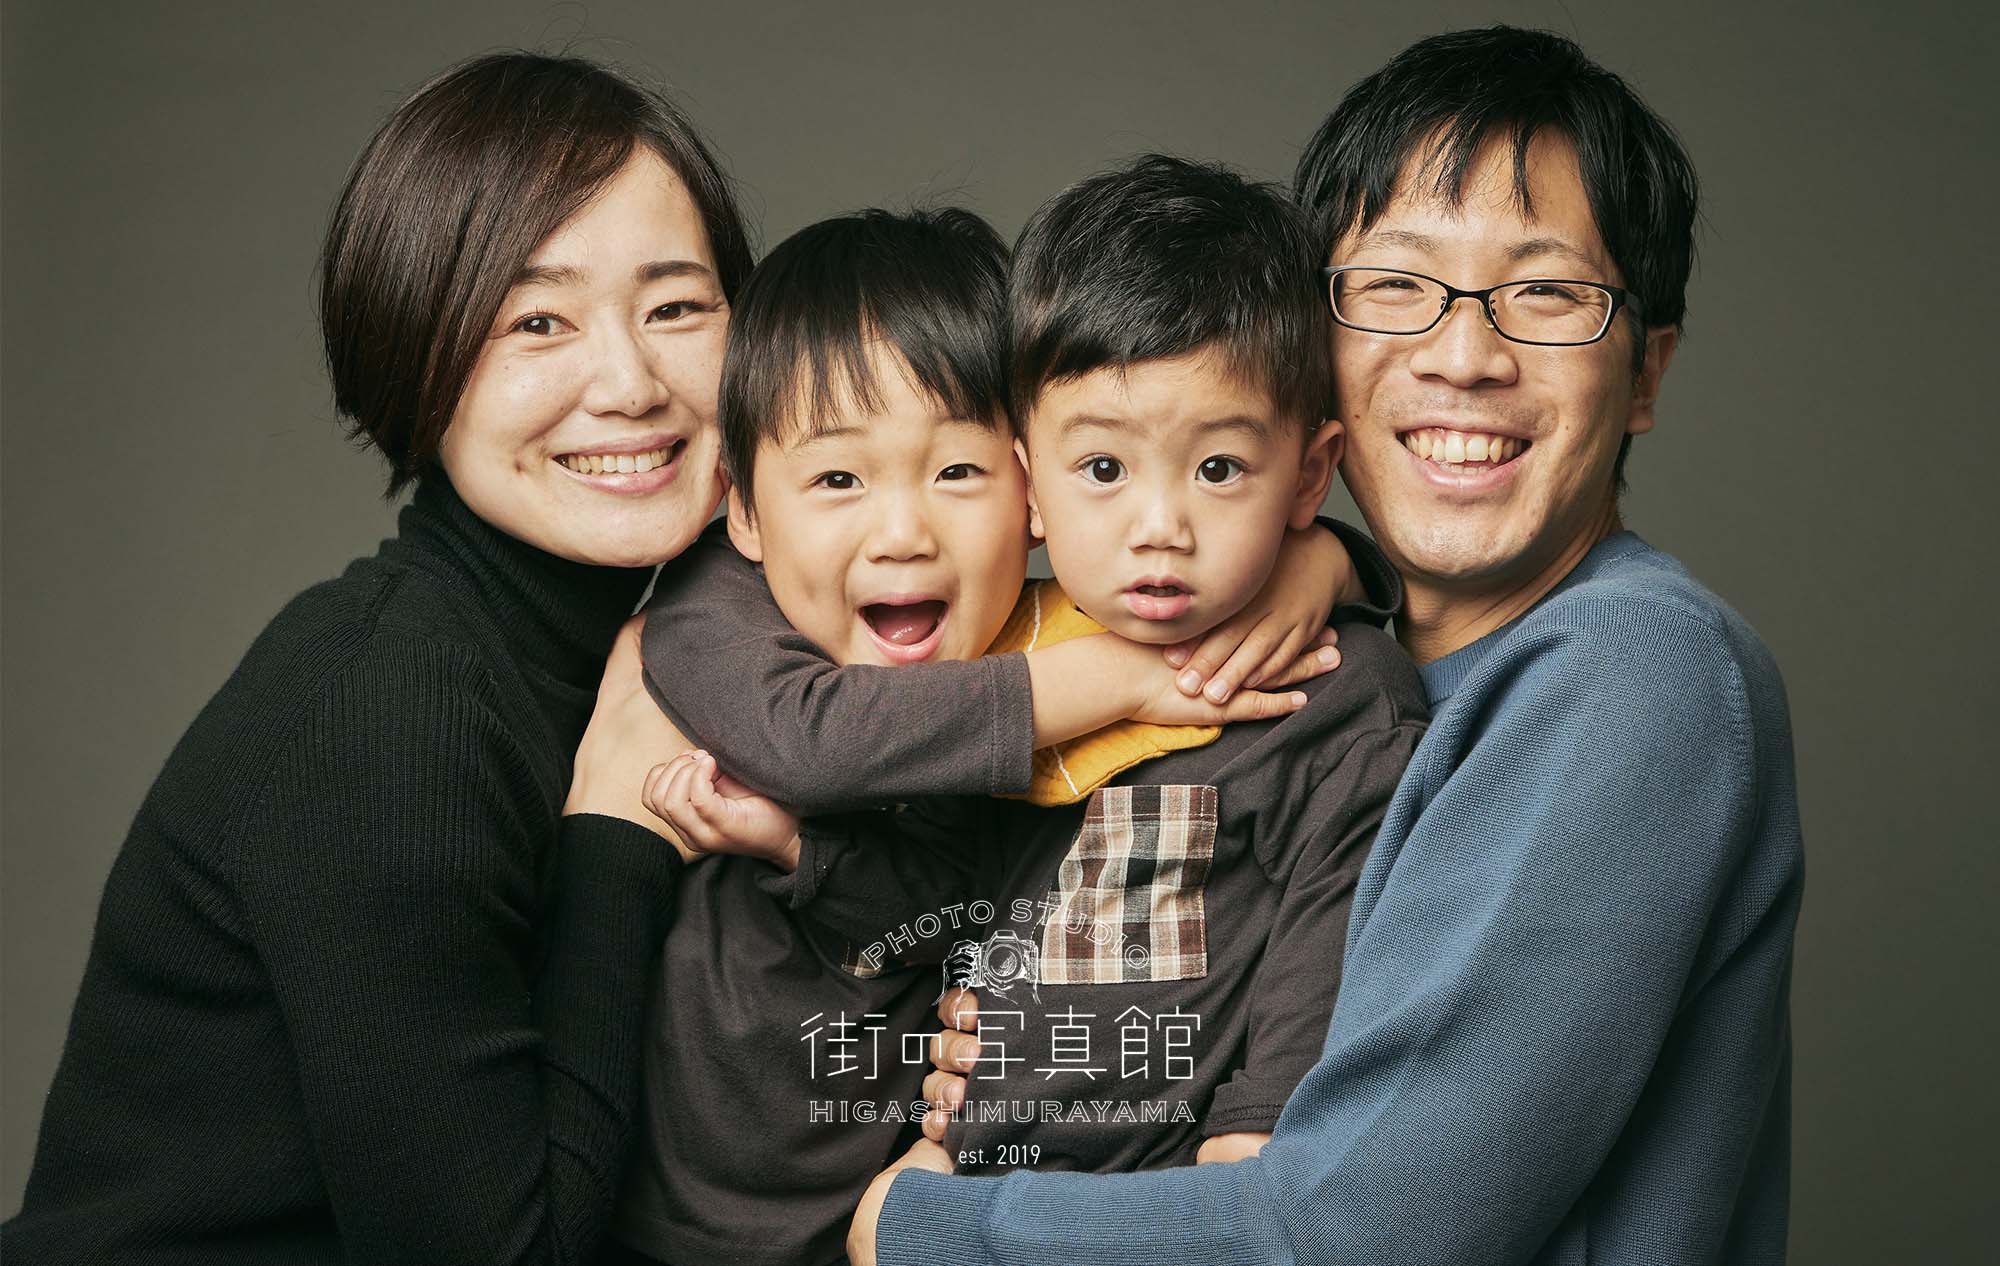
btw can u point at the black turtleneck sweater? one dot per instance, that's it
(358, 991)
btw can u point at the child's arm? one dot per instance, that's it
(1292, 993)
(818, 737)
(899, 884)
(862, 874)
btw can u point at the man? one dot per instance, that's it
(1563, 1029)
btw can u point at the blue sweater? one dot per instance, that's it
(1563, 1033)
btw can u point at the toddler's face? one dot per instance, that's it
(1164, 490)
(891, 536)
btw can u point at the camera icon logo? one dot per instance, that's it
(995, 965)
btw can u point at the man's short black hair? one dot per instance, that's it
(1427, 113)
(1162, 257)
(930, 284)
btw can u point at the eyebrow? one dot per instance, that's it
(570, 275)
(1519, 252)
(1538, 246)
(824, 434)
(1242, 422)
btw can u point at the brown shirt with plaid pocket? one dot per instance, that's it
(1157, 964)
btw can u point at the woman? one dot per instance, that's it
(369, 970)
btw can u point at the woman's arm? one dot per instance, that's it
(466, 1028)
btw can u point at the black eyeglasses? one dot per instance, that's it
(1543, 311)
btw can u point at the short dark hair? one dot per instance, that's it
(931, 283)
(1162, 257)
(1441, 99)
(450, 198)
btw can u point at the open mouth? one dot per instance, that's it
(1464, 452)
(1159, 598)
(906, 632)
(623, 463)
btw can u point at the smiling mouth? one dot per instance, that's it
(1463, 452)
(622, 463)
(906, 631)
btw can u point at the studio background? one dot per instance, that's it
(171, 471)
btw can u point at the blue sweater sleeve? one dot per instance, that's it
(1521, 943)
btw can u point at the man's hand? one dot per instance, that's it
(923, 1154)
(953, 1050)
(713, 813)
(1280, 637)
(1220, 1149)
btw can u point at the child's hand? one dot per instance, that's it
(1162, 703)
(954, 1051)
(713, 813)
(1220, 1149)
(1273, 640)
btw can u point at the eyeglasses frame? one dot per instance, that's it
(1621, 298)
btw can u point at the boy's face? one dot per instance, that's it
(890, 537)
(1164, 490)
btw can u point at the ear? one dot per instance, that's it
(1661, 342)
(1034, 507)
(743, 528)
(1323, 449)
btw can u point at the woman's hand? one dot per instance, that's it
(1280, 638)
(924, 1154)
(713, 813)
(627, 736)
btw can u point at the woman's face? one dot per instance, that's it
(587, 427)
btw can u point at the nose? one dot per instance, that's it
(1464, 350)
(900, 530)
(1161, 523)
(624, 376)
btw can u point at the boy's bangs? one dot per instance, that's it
(838, 376)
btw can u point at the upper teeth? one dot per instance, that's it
(615, 463)
(1457, 448)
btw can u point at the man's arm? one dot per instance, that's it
(1512, 973)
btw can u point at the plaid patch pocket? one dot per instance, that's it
(1130, 901)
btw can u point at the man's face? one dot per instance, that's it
(893, 536)
(1479, 461)
(1164, 491)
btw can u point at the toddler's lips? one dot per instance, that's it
(906, 632)
(1158, 601)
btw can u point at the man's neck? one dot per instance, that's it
(1439, 619)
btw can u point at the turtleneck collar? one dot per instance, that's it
(556, 614)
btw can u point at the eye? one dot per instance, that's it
(678, 309)
(540, 324)
(1103, 470)
(960, 470)
(1218, 470)
(836, 481)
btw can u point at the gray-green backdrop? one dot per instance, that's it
(173, 473)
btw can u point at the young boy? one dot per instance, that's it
(865, 428)
(1170, 949)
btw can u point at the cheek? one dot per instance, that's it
(693, 373)
(510, 404)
